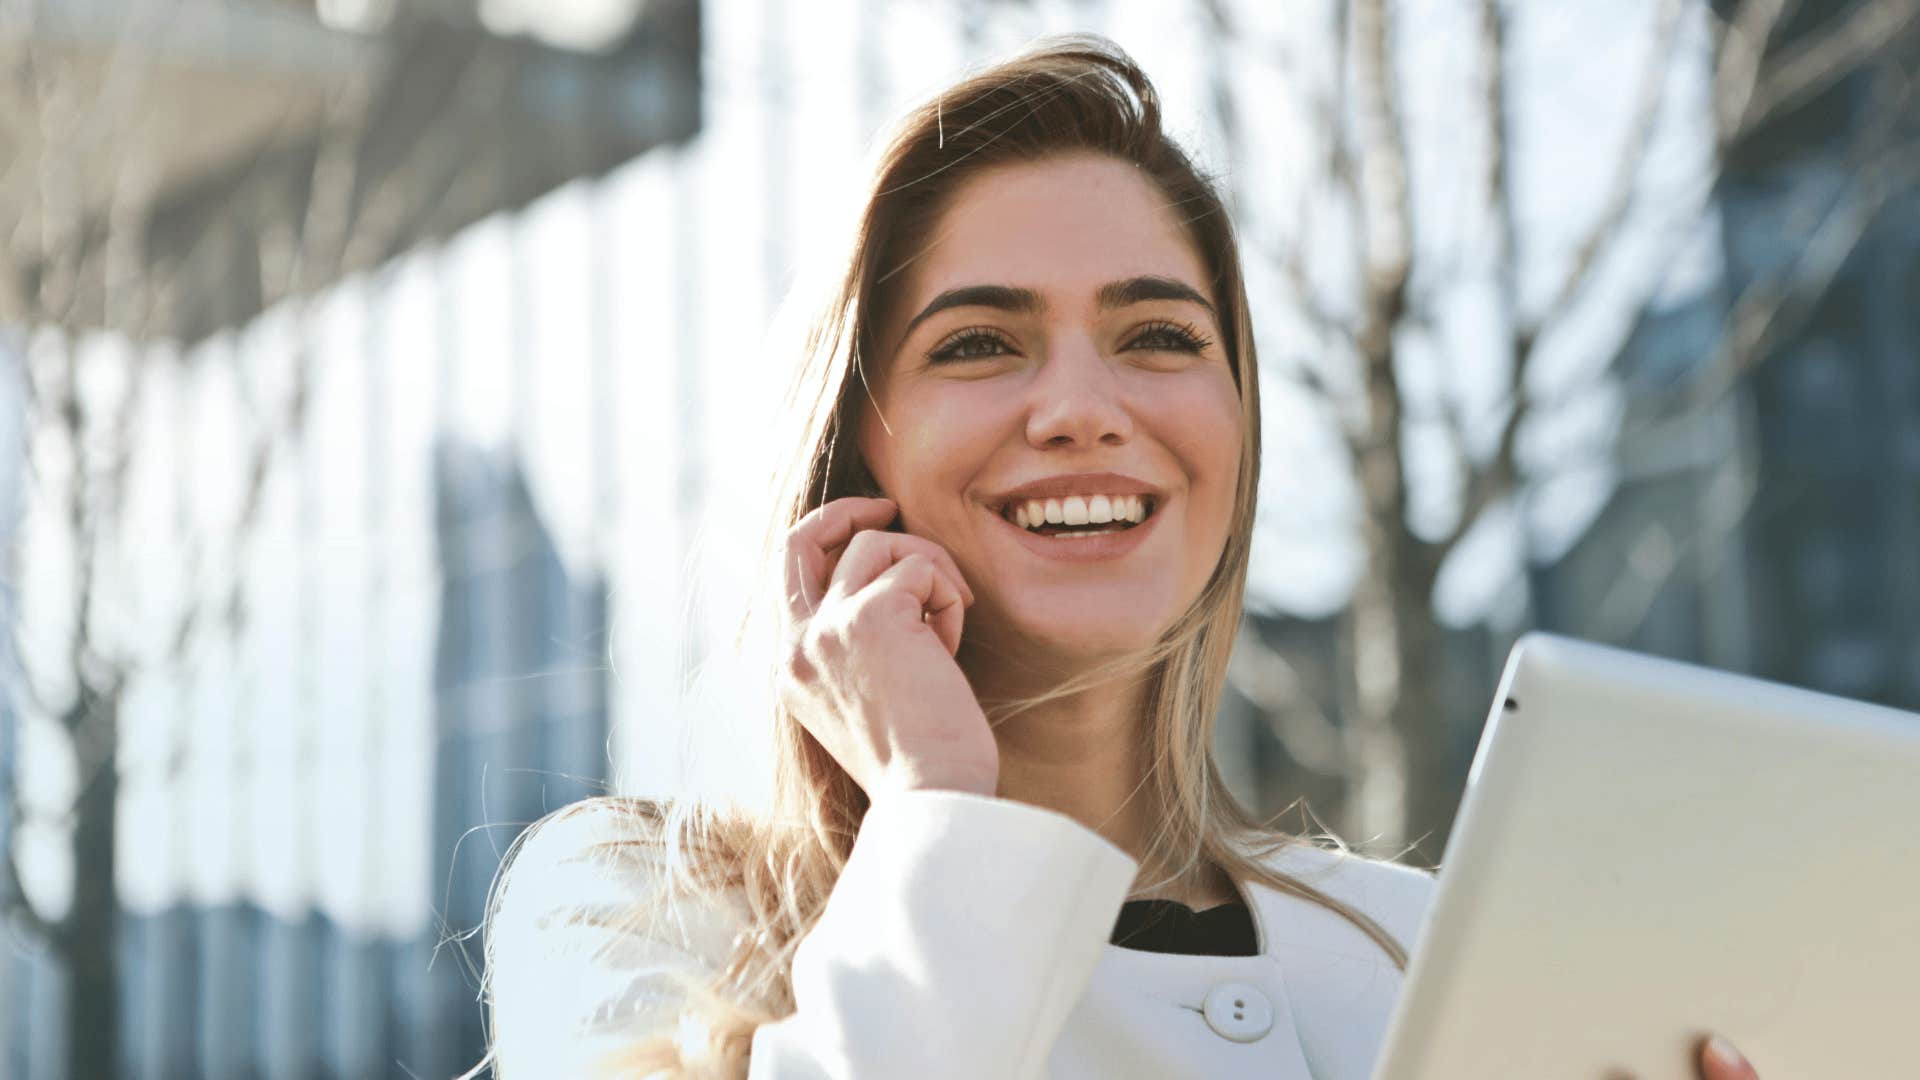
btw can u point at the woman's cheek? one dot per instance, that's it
(1199, 419)
(942, 435)
(1201, 424)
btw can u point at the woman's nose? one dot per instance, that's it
(1076, 400)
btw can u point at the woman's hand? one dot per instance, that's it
(1720, 1061)
(1716, 1059)
(873, 622)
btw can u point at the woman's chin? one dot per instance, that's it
(1087, 633)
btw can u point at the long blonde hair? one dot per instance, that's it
(1068, 94)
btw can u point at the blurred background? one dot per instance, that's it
(380, 429)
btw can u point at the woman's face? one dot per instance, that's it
(1054, 350)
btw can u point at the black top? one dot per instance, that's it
(1169, 926)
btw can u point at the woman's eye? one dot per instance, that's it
(963, 346)
(1173, 336)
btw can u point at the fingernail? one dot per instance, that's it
(1722, 1051)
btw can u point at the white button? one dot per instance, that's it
(1239, 1012)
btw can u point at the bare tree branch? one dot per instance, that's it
(1484, 484)
(1305, 296)
(326, 234)
(1766, 311)
(1265, 677)
(1337, 162)
(1770, 309)
(1326, 325)
(1390, 640)
(1386, 265)
(1656, 555)
(1492, 482)
(14, 904)
(58, 212)
(70, 410)
(1338, 172)
(1497, 183)
(1879, 165)
(1812, 64)
(1385, 194)
(93, 723)
(1608, 227)
(1765, 307)
(1741, 46)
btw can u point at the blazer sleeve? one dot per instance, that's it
(957, 940)
(959, 937)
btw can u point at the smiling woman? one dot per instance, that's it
(1013, 551)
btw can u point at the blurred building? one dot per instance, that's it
(1773, 525)
(521, 729)
(521, 716)
(421, 673)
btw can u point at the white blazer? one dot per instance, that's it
(966, 938)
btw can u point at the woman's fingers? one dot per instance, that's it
(840, 549)
(1720, 1061)
(871, 552)
(814, 544)
(1715, 1058)
(931, 592)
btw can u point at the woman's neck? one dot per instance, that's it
(1085, 756)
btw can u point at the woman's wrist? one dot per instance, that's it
(923, 777)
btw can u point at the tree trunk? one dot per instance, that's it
(1375, 812)
(91, 936)
(1435, 773)
(1405, 776)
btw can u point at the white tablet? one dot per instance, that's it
(1649, 850)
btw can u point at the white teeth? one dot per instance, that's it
(1078, 510)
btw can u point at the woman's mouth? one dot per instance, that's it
(1076, 516)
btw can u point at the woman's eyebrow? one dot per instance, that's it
(1024, 301)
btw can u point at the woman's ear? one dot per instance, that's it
(860, 480)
